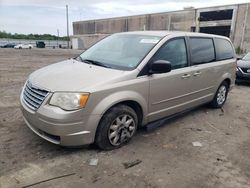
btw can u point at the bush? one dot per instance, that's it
(239, 50)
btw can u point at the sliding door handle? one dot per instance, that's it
(186, 76)
(197, 73)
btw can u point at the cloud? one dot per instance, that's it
(153, 6)
(46, 16)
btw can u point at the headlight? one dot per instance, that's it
(69, 101)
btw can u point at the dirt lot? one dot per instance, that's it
(168, 157)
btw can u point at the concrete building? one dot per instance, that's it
(232, 21)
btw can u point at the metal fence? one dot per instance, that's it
(48, 43)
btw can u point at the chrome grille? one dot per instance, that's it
(245, 70)
(33, 96)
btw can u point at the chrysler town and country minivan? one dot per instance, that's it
(126, 81)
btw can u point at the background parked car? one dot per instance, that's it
(23, 46)
(243, 69)
(9, 45)
(40, 44)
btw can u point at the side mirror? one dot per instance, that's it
(159, 67)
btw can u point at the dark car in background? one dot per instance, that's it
(9, 45)
(243, 69)
(40, 44)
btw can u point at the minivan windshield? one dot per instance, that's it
(120, 51)
(247, 57)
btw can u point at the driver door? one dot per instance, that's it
(171, 92)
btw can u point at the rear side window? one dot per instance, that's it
(224, 49)
(202, 50)
(175, 52)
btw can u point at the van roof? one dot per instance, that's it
(165, 33)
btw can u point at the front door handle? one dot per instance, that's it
(198, 73)
(185, 76)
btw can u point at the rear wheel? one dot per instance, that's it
(220, 96)
(116, 128)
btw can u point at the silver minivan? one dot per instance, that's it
(126, 81)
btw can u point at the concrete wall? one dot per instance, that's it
(110, 25)
(242, 28)
(137, 23)
(84, 27)
(182, 21)
(179, 20)
(93, 30)
(85, 41)
(159, 21)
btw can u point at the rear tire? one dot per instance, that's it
(116, 128)
(220, 96)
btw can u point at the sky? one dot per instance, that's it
(46, 16)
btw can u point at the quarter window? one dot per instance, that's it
(224, 49)
(202, 50)
(175, 52)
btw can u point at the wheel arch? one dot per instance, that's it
(228, 81)
(227, 77)
(135, 101)
(134, 105)
(130, 98)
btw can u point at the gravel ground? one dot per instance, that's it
(165, 156)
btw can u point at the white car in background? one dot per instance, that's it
(23, 46)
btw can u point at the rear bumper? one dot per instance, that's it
(61, 127)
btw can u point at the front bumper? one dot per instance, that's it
(66, 128)
(242, 77)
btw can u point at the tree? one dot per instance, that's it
(4, 34)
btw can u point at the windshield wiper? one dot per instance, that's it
(79, 58)
(93, 62)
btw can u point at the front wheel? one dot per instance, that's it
(116, 128)
(220, 96)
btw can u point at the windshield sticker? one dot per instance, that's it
(149, 41)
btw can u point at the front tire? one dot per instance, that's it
(116, 127)
(220, 96)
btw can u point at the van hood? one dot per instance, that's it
(72, 75)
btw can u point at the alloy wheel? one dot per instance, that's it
(121, 129)
(221, 95)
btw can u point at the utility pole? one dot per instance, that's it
(67, 16)
(57, 38)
